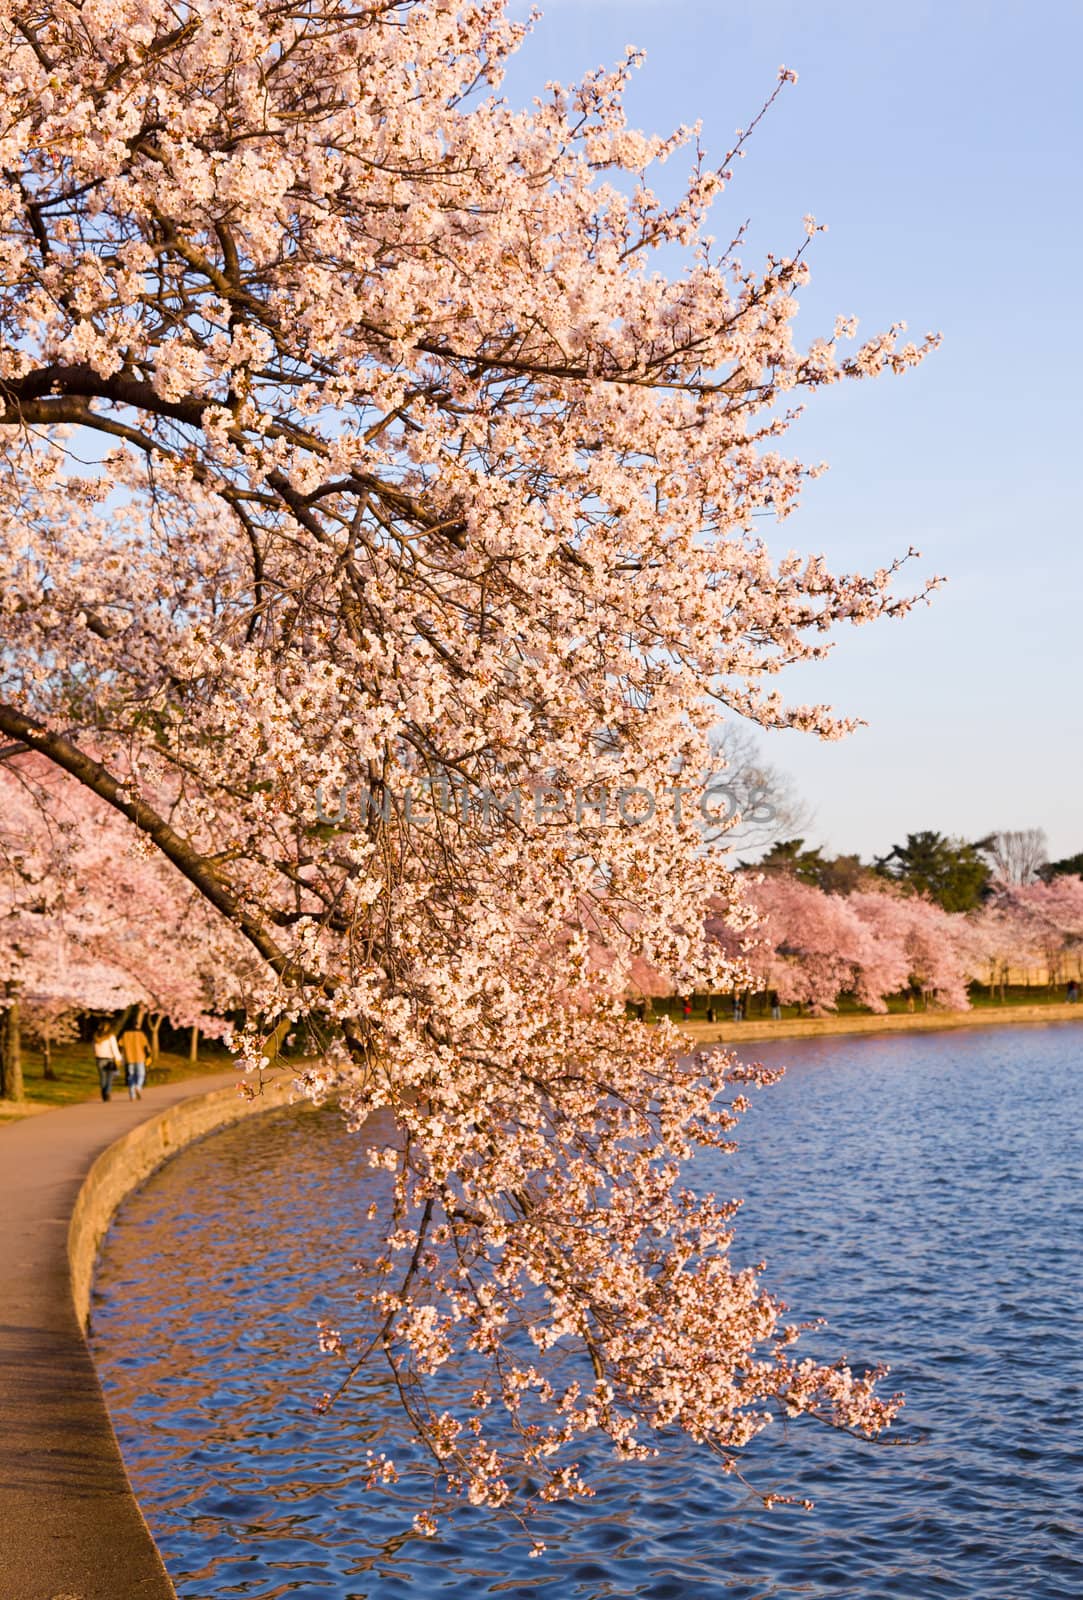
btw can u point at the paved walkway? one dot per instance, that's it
(70, 1527)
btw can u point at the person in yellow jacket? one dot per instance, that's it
(135, 1048)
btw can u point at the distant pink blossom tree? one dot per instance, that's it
(1044, 919)
(813, 947)
(817, 947)
(996, 941)
(930, 943)
(89, 921)
(47, 1024)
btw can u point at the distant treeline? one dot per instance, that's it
(957, 874)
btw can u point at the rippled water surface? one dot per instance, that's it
(922, 1193)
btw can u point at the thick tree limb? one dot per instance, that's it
(184, 856)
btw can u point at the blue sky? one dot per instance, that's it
(942, 145)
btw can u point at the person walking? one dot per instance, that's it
(106, 1057)
(134, 1047)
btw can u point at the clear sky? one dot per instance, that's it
(941, 142)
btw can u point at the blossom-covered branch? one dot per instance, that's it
(407, 461)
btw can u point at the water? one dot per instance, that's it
(920, 1192)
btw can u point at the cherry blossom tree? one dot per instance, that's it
(808, 946)
(419, 563)
(90, 921)
(932, 943)
(1044, 922)
(996, 941)
(48, 976)
(34, 860)
(48, 1023)
(813, 947)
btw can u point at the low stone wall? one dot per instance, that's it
(132, 1158)
(755, 1030)
(70, 1526)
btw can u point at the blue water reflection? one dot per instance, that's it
(919, 1192)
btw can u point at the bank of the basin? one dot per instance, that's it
(918, 1190)
(755, 1030)
(69, 1524)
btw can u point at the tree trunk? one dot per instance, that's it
(193, 1047)
(155, 1026)
(47, 1060)
(11, 1062)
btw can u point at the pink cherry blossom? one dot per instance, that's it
(434, 450)
(89, 921)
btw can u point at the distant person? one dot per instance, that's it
(738, 1009)
(686, 1008)
(1073, 992)
(712, 1015)
(135, 1047)
(106, 1057)
(776, 1009)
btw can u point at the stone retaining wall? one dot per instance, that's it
(70, 1526)
(757, 1029)
(132, 1158)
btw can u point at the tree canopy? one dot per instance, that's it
(1066, 867)
(950, 871)
(833, 874)
(375, 512)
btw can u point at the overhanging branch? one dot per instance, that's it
(194, 866)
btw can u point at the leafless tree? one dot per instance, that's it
(1018, 855)
(756, 803)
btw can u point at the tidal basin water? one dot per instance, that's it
(922, 1193)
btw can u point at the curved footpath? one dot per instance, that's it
(70, 1526)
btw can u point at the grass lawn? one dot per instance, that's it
(1019, 995)
(77, 1077)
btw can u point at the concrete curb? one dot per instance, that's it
(129, 1161)
(755, 1030)
(70, 1526)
